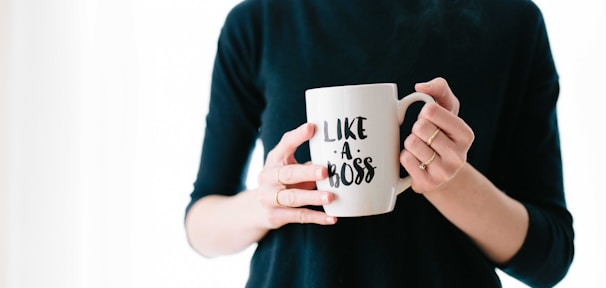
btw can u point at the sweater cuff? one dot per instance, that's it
(542, 261)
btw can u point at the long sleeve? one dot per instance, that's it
(235, 107)
(532, 166)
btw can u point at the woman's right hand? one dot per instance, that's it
(285, 186)
(220, 225)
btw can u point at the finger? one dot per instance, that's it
(426, 130)
(452, 141)
(411, 164)
(291, 140)
(426, 179)
(452, 126)
(284, 216)
(293, 174)
(299, 198)
(438, 88)
(311, 185)
(297, 173)
(420, 150)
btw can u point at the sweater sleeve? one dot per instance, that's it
(533, 168)
(235, 105)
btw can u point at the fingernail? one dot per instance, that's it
(331, 220)
(319, 173)
(325, 198)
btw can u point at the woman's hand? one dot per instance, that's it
(220, 225)
(285, 185)
(496, 222)
(436, 150)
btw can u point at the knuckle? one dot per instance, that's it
(291, 197)
(425, 125)
(403, 158)
(416, 141)
(409, 141)
(302, 216)
(286, 173)
(429, 110)
(470, 137)
(406, 158)
(420, 125)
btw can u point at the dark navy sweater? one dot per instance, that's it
(496, 57)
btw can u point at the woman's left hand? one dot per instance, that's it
(436, 150)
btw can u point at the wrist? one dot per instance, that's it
(252, 213)
(459, 180)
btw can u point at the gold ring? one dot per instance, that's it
(276, 198)
(423, 165)
(278, 177)
(433, 136)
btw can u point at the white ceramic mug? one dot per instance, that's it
(357, 138)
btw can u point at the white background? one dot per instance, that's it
(102, 107)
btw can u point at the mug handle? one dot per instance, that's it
(403, 104)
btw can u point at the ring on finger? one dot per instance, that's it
(423, 165)
(433, 136)
(277, 199)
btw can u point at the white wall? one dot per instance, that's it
(101, 118)
(5, 20)
(108, 100)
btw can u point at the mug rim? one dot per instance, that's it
(352, 85)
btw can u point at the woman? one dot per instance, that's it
(498, 203)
